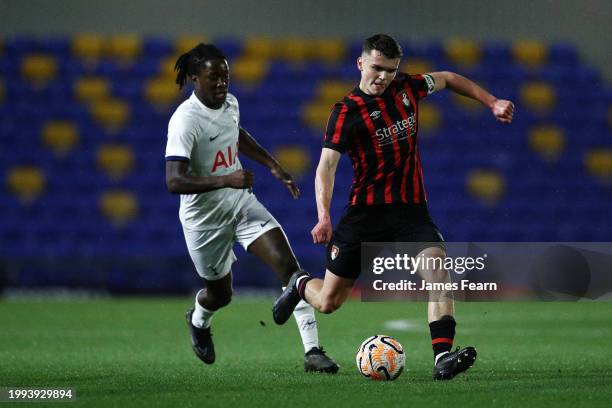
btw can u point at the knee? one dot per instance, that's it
(218, 301)
(329, 306)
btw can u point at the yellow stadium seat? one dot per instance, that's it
(166, 66)
(115, 160)
(124, 47)
(39, 68)
(330, 92)
(261, 47)
(92, 89)
(119, 207)
(429, 117)
(161, 92)
(88, 46)
(249, 70)
(294, 159)
(329, 50)
(60, 136)
(463, 52)
(599, 163)
(184, 43)
(532, 54)
(111, 113)
(315, 115)
(468, 105)
(486, 185)
(416, 66)
(547, 141)
(294, 50)
(538, 96)
(26, 182)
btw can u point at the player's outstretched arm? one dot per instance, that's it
(179, 181)
(324, 188)
(253, 150)
(502, 109)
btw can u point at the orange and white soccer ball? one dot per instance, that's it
(381, 357)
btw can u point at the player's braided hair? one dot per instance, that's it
(383, 43)
(192, 61)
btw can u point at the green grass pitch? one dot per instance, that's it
(136, 352)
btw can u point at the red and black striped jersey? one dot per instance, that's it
(379, 133)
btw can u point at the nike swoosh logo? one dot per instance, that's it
(265, 223)
(213, 138)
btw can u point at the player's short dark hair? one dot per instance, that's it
(193, 60)
(383, 43)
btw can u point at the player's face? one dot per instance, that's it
(212, 82)
(377, 72)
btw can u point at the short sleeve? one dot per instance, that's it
(181, 139)
(336, 133)
(421, 85)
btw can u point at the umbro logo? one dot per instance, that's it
(213, 138)
(265, 223)
(375, 115)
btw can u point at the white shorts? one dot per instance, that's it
(211, 250)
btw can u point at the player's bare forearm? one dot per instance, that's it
(179, 181)
(464, 86)
(248, 146)
(324, 181)
(324, 188)
(502, 109)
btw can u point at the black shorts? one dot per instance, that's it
(381, 223)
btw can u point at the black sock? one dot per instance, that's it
(442, 334)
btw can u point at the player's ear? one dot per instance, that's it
(360, 63)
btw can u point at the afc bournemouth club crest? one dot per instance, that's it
(334, 252)
(405, 100)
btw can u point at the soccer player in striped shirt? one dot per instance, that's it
(376, 125)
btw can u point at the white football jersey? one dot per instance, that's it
(208, 139)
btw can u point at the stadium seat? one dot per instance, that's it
(112, 114)
(330, 91)
(464, 53)
(249, 70)
(531, 54)
(60, 136)
(295, 159)
(39, 69)
(468, 105)
(119, 207)
(430, 117)
(548, 141)
(115, 160)
(88, 47)
(486, 185)
(329, 50)
(315, 115)
(92, 89)
(161, 92)
(599, 163)
(294, 50)
(125, 48)
(166, 66)
(184, 43)
(260, 47)
(27, 183)
(538, 96)
(416, 66)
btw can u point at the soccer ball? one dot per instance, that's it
(380, 357)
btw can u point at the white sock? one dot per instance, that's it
(307, 324)
(439, 355)
(201, 317)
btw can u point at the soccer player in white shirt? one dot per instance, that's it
(218, 206)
